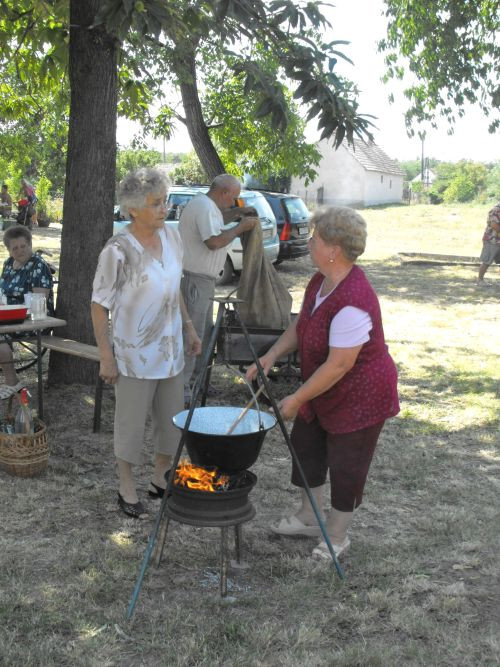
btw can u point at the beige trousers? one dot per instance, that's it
(135, 399)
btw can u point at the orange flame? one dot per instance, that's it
(196, 477)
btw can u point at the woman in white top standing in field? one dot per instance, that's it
(138, 281)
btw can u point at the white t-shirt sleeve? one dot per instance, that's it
(350, 327)
(209, 221)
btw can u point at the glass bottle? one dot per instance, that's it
(23, 422)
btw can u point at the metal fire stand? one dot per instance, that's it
(223, 302)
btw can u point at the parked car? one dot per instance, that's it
(178, 197)
(292, 218)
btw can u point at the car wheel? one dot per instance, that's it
(226, 275)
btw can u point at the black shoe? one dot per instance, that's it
(135, 510)
(159, 491)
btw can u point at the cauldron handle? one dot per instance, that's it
(252, 400)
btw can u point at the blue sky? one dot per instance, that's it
(361, 22)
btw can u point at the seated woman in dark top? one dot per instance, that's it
(23, 272)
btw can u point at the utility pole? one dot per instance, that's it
(421, 134)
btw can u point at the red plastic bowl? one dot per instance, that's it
(13, 314)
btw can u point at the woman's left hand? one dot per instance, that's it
(193, 342)
(289, 407)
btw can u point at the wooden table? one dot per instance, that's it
(36, 327)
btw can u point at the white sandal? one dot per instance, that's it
(293, 527)
(322, 552)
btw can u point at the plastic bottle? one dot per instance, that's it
(23, 422)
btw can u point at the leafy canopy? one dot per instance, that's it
(247, 143)
(288, 29)
(33, 90)
(451, 48)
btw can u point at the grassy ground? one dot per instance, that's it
(422, 580)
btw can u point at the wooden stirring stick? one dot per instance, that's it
(245, 410)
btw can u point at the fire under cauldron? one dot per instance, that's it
(225, 458)
(209, 445)
(226, 506)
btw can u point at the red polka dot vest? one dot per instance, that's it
(367, 394)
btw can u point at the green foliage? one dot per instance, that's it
(287, 29)
(189, 172)
(54, 209)
(418, 187)
(33, 91)
(463, 181)
(461, 189)
(468, 181)
(411, 168)
(159, 38)
(128, 159)
(450, 47)
(43, 187)
(247, 141)
(493, 182)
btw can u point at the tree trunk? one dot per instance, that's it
(90, 181)
(195, 123)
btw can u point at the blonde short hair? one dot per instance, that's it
(342, 226)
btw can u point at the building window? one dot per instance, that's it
(381, 178)
(320, 195)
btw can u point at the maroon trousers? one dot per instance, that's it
(346, 455)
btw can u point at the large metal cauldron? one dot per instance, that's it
(209, 445)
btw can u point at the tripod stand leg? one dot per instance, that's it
(147, 556)
(284, 430)
(223, 561)
(160, 543)
(237, 543)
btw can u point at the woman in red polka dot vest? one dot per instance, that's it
(349, 380)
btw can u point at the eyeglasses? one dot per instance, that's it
(160, 204)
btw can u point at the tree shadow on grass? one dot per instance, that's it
(438, 379)
(436, 285)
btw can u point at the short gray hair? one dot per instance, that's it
(223, 181)
(137, 185)
(342, 226)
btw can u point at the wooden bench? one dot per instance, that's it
(84, 351)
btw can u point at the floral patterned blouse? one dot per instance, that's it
(142, 295)
(15, 283)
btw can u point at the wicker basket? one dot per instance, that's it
(25, 455)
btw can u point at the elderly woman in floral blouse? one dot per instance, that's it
(138, 281)
(24, 271)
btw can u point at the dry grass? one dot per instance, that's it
(422, 579)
